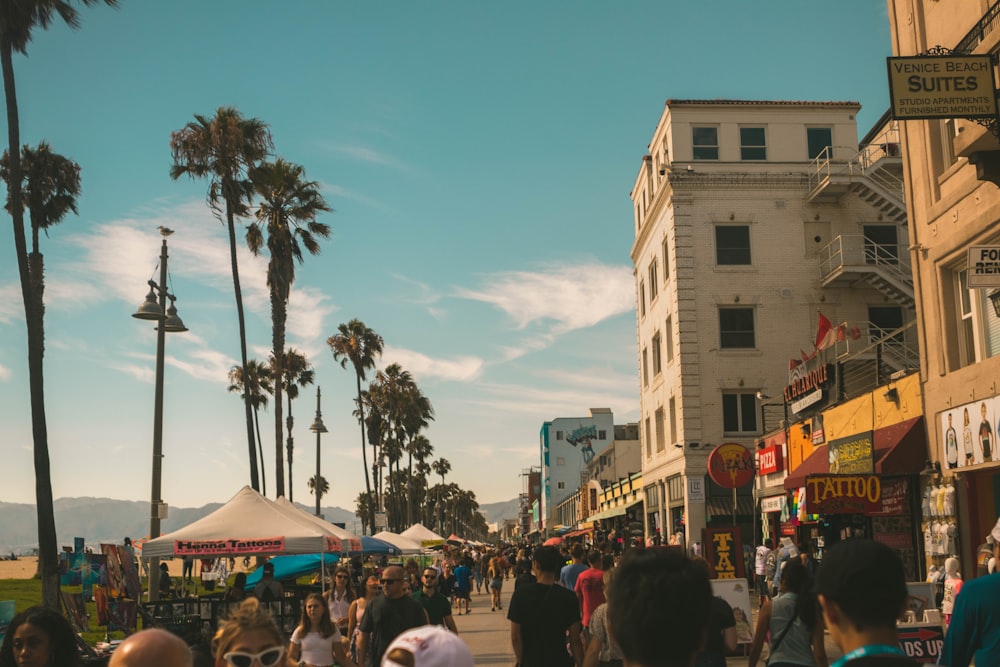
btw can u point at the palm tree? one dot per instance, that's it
(260, 387)
(324, 487)
(287, 214)
(47, 184)
(420, 449)
(359, 345)
(224, 149)
(442, 467)
(17, 21)
(298, 374)
(418, 412)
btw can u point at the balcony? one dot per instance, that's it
(875, 174)
(856, 260)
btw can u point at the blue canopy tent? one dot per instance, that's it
(290, 567)
(371, 545)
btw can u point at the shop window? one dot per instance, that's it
(705, 143)
(753, 145)
(736, 328)
(739, 413)
(732, 245)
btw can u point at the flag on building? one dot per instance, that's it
(826, 334)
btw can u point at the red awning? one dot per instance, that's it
(901, 449)
(577, 533)
(817, 463)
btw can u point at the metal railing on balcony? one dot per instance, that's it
(870, 360)
(983, 27)
(859, 251)
(864, 164)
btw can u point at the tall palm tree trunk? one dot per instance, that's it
(364, 453)
(247, 399)
(278, 314)
(409, 487)
(48, 557)
(289, 444)
(260, 447)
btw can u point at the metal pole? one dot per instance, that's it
(155, 500)
(319, 488)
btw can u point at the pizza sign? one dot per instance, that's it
(730, 465)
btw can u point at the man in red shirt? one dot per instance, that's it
(590, 589)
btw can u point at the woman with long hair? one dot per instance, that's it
(249, 638)
(795, 625)
(495, 575)
(39, 637)
(340, 597)
(317, 641)
(238, 591)
(373, 588)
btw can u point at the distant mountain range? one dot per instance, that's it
(105, 520)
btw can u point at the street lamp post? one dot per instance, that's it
(154, 308)
(318, 428)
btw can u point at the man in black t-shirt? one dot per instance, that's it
(542, 613)
(386, 617)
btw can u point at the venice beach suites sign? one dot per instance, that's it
(924, 87)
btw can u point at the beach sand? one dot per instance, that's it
(26, 566)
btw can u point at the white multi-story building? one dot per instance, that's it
(751, 219)
(566, 446)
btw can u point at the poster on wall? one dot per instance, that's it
(737, 593)
(853, 455)
(969, 433)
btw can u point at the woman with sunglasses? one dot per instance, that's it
(373, 588)
(339, 598)
(316, 642)
(249, 638)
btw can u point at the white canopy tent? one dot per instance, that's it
(248, 525)
(343, 541)
(408, 547)
(423, 536)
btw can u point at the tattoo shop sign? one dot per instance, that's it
(843, 494)
(261, 545)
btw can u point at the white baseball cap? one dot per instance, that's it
(995, 533)
(429, 646)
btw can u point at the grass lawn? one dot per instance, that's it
(28, 593)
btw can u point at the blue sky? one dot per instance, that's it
(478, 157)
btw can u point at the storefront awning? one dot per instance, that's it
(607, 514)
(721, 507)
(817, 463)
(901, 449)
(577, 533)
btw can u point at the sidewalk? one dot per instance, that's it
(487, 633)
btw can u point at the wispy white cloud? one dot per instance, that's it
(11, 306)
(337, 191)
(205, 365)
(425, 296)
(144, 374)
(366, 154)
(557, 401)
(5, 373)
(421, 366)
(569, 297)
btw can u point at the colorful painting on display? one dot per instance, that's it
(117, 615)
(969, 433)
(133, 586)
(83, 569)
(116, 578)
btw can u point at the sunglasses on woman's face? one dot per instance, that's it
(269, 657)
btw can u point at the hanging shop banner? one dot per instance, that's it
(772, 504)
(771, 459)
(731, 465)
(803, 383)
(853, 455)
(260, 545)
(923, 87)
(894, 498)
(724, 552)
(843, 494)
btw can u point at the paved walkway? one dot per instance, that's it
(488, 633)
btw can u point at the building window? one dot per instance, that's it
(645, 367)
(739, 413)
(649, 438)
(602, 435)
(819, 139)
(661, 435)
(736, 328)
(705, 142)
(560, 460)
(752, 143)
(666, 260)
(672, 405)
(978, 325)
(654, 284)
(560, 485)
(668, 346)
(656, 354)
(642, 298)
(732, 245)
(559, 435)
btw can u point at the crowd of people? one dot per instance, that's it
(651, 607)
